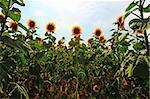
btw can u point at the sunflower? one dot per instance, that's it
(31, 24)
(89, 41)
(101, 37)
(104, 40)
(107, 47)
(2, 17)
(41, 40)
(139, 31)
(121, 26)
(124, 82)
(61, 41)
(96, 88)
(76, 31)
(69, 45)
(120, 19)
(97, 32)
(50, 27)
(120, 22)
(13, 26)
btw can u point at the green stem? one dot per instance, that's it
(6, 16)
(136, 15)
(146, 39)
(145, 34)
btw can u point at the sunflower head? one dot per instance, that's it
(104, 40)
(76, 31)
(42, 40)
(2, 17)
(139, 31)
(120, 19)
(96, 88)
(13, 25)
(124, 82)
(50, 27)
(107, 47)
(31, 24)
(89, 41)
(69, 45)
(121, 26)
(101, 37)
(97, 32)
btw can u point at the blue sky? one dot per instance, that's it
(88, 14)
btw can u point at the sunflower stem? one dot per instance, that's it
(145, 33)
(136, 15)
(5, 19)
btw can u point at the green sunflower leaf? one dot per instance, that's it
(131, 5)
(146, 9)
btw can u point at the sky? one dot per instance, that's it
(89, 14)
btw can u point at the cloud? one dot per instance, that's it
(66, 13)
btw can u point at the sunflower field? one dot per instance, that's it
(41, 68)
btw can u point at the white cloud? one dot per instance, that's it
(66, 13)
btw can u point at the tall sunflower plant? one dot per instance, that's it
(36, 67)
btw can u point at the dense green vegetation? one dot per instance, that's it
(34, 67)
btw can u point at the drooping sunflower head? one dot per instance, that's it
(2, 17)
(104, 40)
(89, 41)
(69, 44)
(13, 25)
(42, 40)
(97, 32)
(76, 31)
(120, 19)
(31, 24)
(139, 31)
(101, 37)
(50, 27)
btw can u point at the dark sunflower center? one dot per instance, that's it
(14, 26)
(97, 33)
(59, 42)
(50, 27)
(32, 24)
(96, 88)
(76, 31)
(63, 88)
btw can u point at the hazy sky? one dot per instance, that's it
(88, 14)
